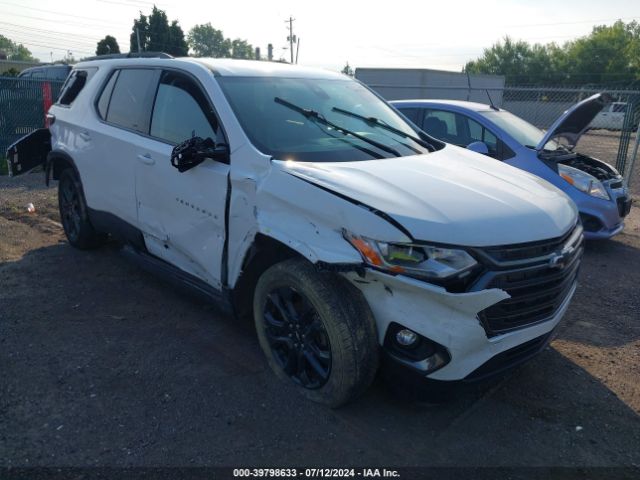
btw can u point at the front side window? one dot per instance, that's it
(181, 111)
(131, 98)
(287, 118)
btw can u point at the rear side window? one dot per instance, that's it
(181, 110)
(58, 73)
(130, 104)
(74, 85)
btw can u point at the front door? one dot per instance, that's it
(182, 215)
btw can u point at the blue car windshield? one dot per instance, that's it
(520, 130)
(316, 120)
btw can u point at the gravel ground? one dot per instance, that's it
(103, 364)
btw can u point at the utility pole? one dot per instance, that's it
(291, 37)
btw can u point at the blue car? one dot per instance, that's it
(596, 187)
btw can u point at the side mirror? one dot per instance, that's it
(196, 150)
(478, 147)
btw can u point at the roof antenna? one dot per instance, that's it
(493, 107)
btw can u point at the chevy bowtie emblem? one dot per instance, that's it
(557, 261)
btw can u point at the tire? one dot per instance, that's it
(73, 213)
(303, 316)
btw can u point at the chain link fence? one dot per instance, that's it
(612, 136)
(23, 105)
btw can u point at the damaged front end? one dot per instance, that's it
(519, 294)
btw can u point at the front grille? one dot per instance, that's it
(538, 285)
(526, 251)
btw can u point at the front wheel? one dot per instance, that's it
(317, 331)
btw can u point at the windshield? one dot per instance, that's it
(303, 119)
(522, 131)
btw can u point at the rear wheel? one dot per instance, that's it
(317, 331)
(73, 212)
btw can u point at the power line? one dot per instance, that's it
(58, 13)
(57, 21)
(56, 34)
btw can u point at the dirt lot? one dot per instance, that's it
(102, 364)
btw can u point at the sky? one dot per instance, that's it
(398, 33)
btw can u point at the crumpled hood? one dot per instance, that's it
(451, 196)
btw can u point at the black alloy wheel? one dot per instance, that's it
(297, 337)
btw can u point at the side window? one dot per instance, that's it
(59, 73)
(413, 114)
(619, 107)
(105, 96)
(74, 85)
(131, 99)
(38, 74)
(441, 125)
(477, 133)
(181, 110)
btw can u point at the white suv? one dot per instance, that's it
(301, 198)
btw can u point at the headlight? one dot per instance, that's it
(583, 181)
(426, 261)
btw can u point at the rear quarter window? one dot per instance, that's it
(75, 83)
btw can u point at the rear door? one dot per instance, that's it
(108, 141)
(182, 215)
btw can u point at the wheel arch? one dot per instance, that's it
(264, 252)
(57, 161)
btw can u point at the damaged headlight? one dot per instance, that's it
(430, 262)
(583, 181)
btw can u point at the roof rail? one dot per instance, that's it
(112, 56)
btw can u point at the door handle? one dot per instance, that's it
(85, 136)
(147, 159)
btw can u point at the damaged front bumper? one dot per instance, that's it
(451, 321)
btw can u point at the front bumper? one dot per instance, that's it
(449, 319)
(602, 219)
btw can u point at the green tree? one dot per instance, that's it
(15, 51)
(610, 54)
(242, 49)
(347, 70)
(206, 41)
(157, 35)
(107, 45)
(177, 44)
(12, 72)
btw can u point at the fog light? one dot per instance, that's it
(406, 337)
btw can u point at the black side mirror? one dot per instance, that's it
(196, 150)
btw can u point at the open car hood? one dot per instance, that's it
(574, 121)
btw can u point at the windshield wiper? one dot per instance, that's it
(312, 114)
(379, 123)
